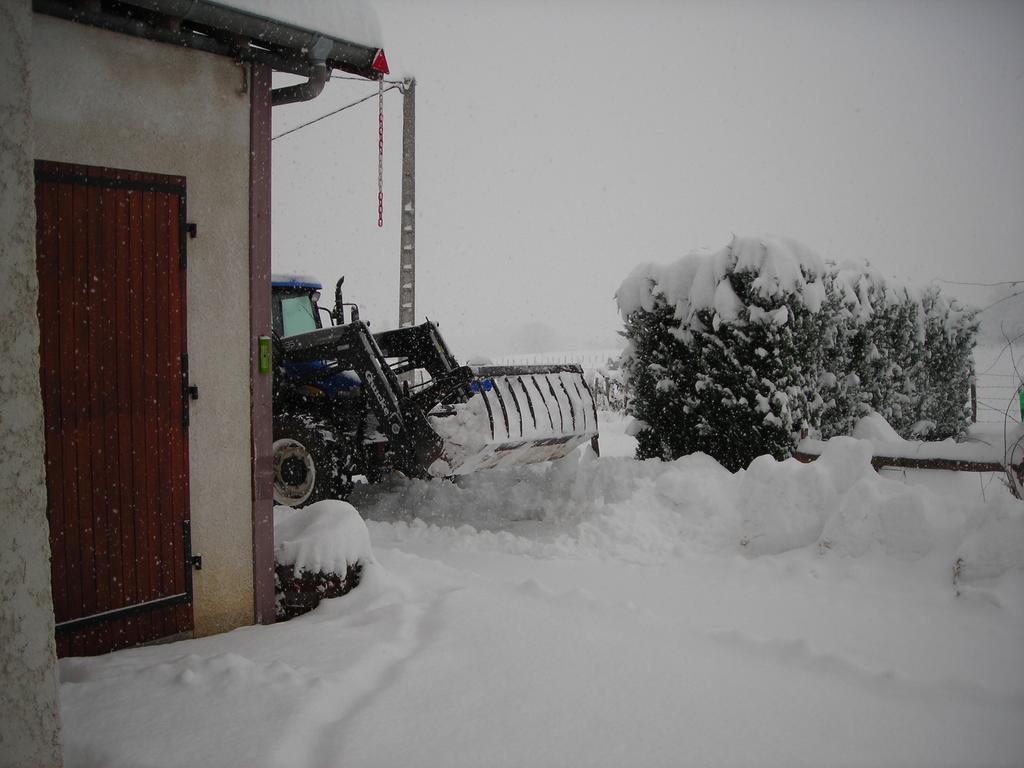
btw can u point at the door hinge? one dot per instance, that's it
(192, 231)
(188, 391)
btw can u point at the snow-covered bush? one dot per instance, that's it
(948, 362)
(320, 551)
(736, 352)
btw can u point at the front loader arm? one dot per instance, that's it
(421, 346)
(352, 347)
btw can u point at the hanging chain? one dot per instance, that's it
(380, 152)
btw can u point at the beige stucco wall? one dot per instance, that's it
(29, 722)
(111, 100)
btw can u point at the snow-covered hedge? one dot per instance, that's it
(735, 352)
(320, 551)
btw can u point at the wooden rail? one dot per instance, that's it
(950, 465)
(953, 465)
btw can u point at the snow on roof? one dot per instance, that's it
(353, 21)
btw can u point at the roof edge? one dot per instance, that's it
(222, 30)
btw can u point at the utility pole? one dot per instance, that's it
(407, 259)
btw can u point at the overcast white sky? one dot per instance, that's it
(561, 143)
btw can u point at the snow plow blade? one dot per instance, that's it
(520, 414)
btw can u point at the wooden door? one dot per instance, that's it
(111, 262)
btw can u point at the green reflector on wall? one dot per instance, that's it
(264, 354)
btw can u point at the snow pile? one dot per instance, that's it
(652, 511)
(996, 547)
(325, 537)
(886, 514)
(465, 430)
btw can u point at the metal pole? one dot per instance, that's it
(407, 259)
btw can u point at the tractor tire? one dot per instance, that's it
(305, 468)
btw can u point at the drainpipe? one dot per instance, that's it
(317, 58)
(303, 91)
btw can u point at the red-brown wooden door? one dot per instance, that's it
(110, 255)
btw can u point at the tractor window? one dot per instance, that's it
(297, 315)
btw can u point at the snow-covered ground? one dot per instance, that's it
(612, 612)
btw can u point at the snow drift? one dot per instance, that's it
(649, 511)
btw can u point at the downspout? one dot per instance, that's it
(310, 89)
(317, 58)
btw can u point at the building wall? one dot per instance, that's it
(29, 724)
(108, 99)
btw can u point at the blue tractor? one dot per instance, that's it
(349, 403)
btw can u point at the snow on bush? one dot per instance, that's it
(321, 551)
(733, 353)
(326, 536)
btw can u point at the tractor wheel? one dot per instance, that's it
(305, 470)
(294, 472)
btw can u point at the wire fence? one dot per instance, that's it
(586, 359)
(996, 398)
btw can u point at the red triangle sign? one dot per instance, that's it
(380, 64)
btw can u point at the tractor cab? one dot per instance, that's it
(293, 308)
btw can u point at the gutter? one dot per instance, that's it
(206, 26)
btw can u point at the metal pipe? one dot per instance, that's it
(339, 303)
(310, 89)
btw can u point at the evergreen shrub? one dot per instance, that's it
(736, 353)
